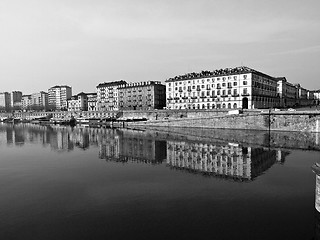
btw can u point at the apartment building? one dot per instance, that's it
(92, 101)
(239, 87)
(5, 101)
(40, 100)
(78, 102)
(142, 96)
(287, 92)
(15, 99)
(107, 95)
(26, 102)
(58, 97)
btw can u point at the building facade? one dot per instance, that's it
(287, 92)
(58, 96)
(5, 101)
(240, 87)
(15, 99)
(78, 102)
(92, 101)
(40, 100)
(107, 95)
(26, 102)
(142, 96)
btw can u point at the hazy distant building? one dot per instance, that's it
(58, 96)
(15, 99)
(40, 100)
(5, 101)
(26, 102)
(107, 95)
(142, 96)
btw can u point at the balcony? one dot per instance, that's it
(245, 94)
(225, 95)
(194, 97)
(198, 89)
(184, 97)
(214, 96)
(235, 95)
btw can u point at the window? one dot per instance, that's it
(245, 82)
(245, 91)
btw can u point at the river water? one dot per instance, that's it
(95, 183)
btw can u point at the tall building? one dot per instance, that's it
(58, 96)
(239, 87)
(40, 100)
(107, 95)
(15, 99)
(5, 101)
(142, 95)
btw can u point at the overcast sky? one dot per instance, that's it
(84, 42)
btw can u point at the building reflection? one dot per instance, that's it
(316, 170)
(223, 160)
(239, 162)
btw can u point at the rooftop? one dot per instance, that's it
(216, 73)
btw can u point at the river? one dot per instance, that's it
(97, 183)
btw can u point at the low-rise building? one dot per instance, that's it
(142, 96)
(78, 102)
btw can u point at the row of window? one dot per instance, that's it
(209, 79)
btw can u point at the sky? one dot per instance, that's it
(82, 43)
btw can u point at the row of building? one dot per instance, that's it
(239, 87)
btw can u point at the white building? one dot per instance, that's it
(240, 87)
(92, 101)
(58, 96)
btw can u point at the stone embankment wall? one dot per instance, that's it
(295, 121)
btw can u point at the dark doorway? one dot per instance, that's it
(245, 103)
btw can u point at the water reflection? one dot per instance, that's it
(226, 160)
(234, 161)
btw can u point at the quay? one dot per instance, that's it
(265, 120)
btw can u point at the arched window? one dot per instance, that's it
(223, 105)
(229, 105)
(235, 105)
